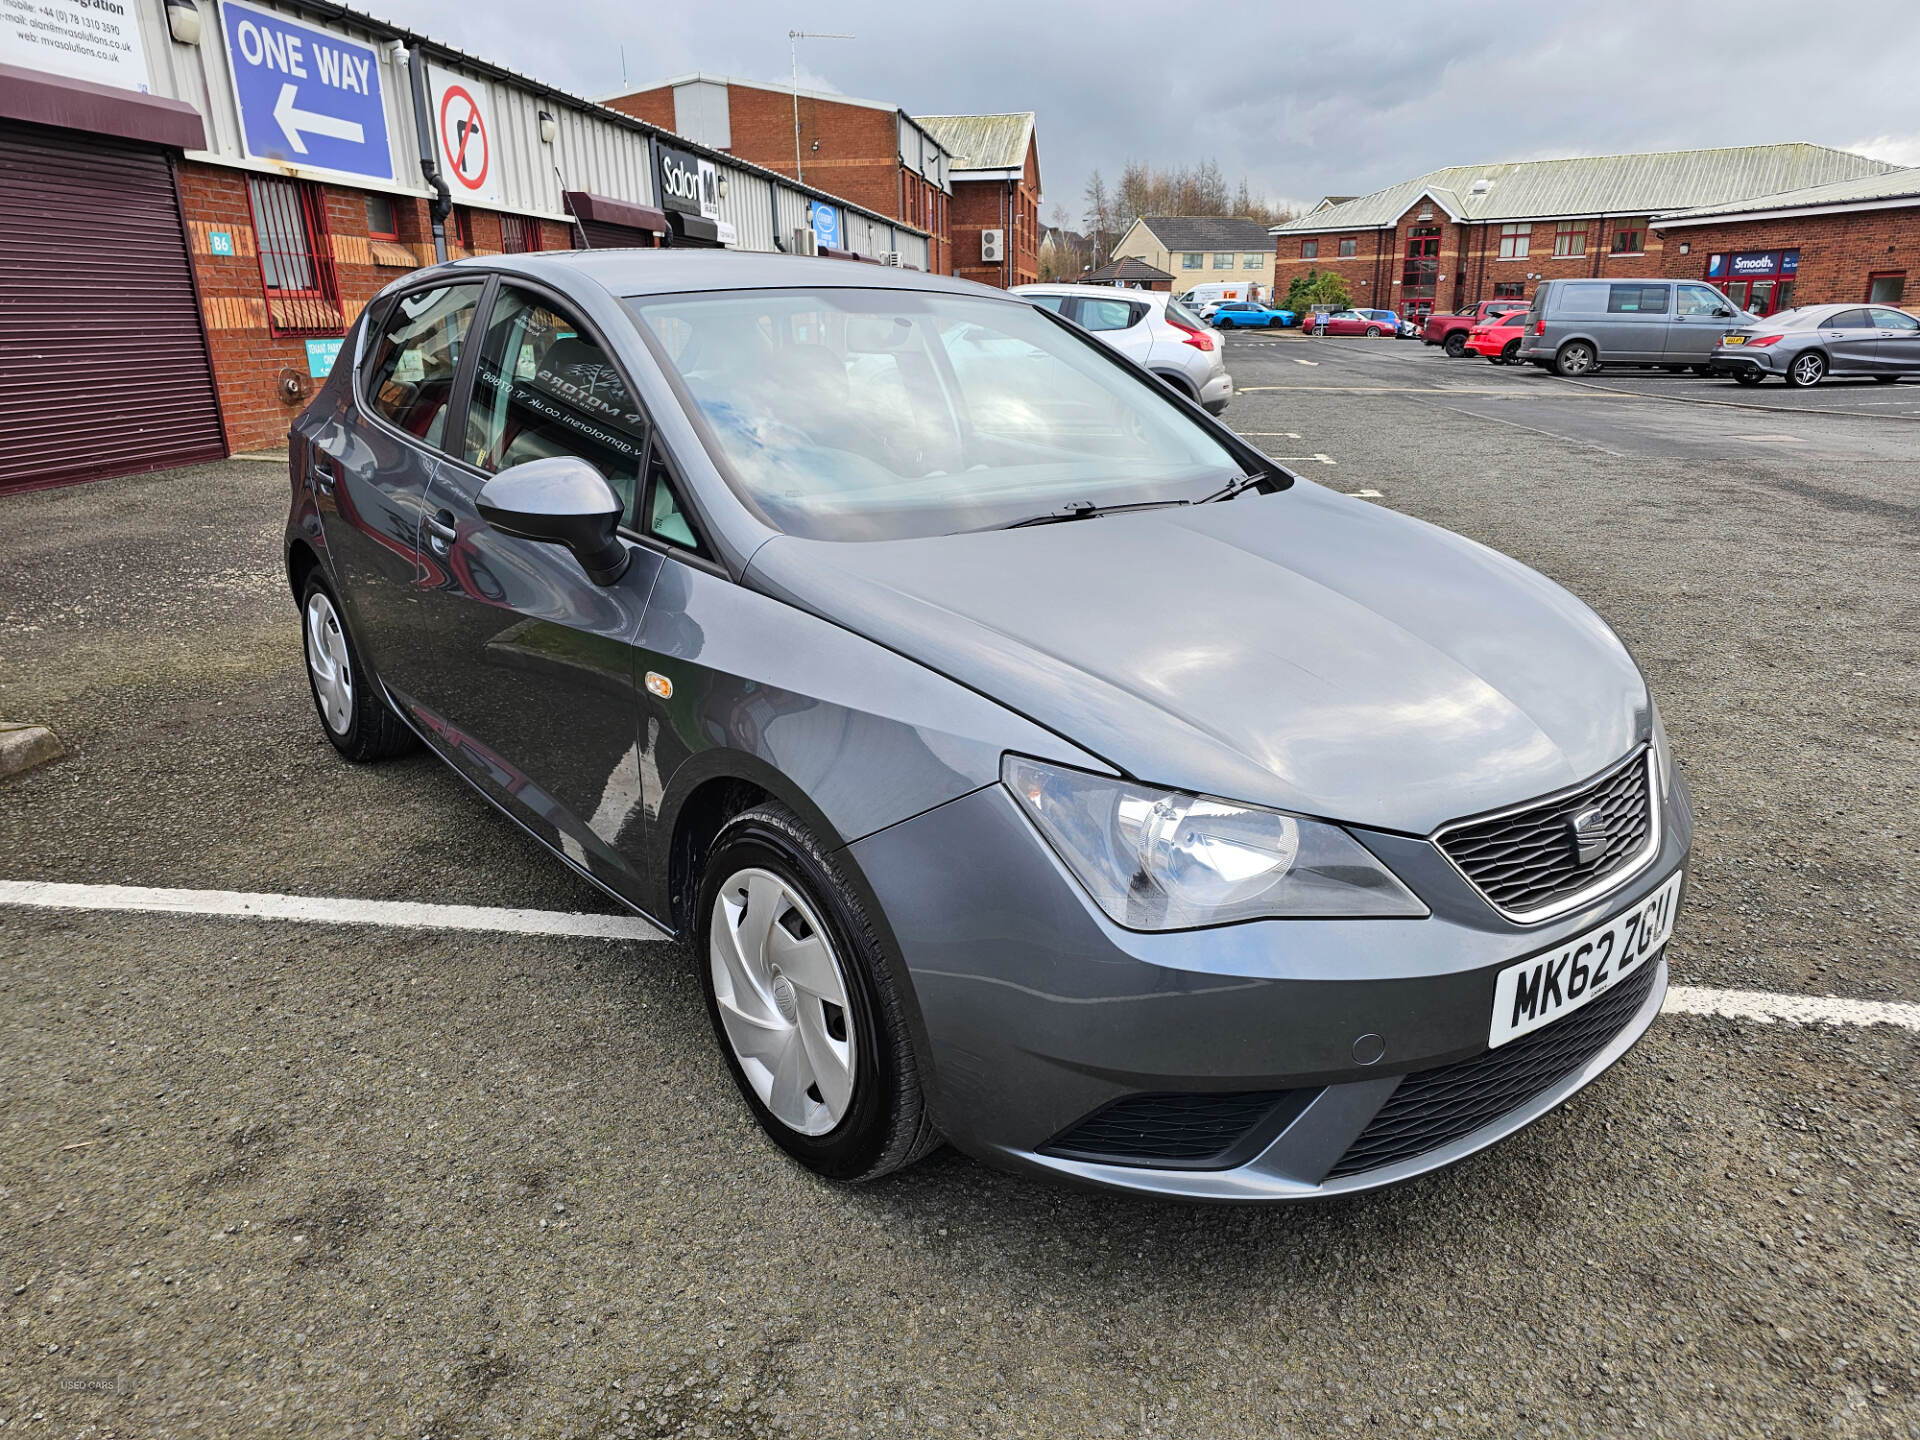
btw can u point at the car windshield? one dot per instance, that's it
(853, 414)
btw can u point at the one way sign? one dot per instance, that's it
(306, 96)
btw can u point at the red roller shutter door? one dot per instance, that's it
(103, 362)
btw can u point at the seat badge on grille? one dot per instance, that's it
(1588, 832)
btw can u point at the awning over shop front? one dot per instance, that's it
(613, 224)
(42, 99)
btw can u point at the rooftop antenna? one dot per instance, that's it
(794, 37)
(623, 65)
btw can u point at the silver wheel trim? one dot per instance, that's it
(783, 1000)
(327, 663)
(1579, 360)
(1808, 368)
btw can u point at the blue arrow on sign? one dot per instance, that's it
(306, 96)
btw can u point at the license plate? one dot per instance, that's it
(1733, 339)
(1539, 991)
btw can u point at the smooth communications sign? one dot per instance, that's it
(306, 96)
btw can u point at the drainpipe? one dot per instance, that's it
(441, 205)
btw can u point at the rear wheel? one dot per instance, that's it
(1747, 377)
(1807, 370)
(1576, 358)
(353, 712)
(1455, 344)
(804, 1003)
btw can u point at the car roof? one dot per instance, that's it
(1052, 288)
(669, 271)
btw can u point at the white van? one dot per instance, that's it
(1219, 291)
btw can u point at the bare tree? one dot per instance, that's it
(1099, 215)
(1187, 190)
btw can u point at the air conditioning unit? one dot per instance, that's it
(890, 257)
(803, 242)
(993, 246)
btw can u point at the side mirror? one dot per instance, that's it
(561, 500)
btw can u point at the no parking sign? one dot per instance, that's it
(463, 130)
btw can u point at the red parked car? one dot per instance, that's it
(1499, 338)
(1354, 322)
(1451, 331)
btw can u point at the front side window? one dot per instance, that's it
(1055, 303)
(1894, 320)
(1630, 236)
(1636, 299)
(1698, 300)
(1309, 249)
(1570, 239)
(1191, 259)
(412, 362)
(1515, 241)
(296, 257)
(1223, 259)
(1349, 246)
(544, 387)
(848, 414)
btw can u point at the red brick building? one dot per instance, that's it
(870, 152)
(1854, 240)
(996, 190)
(1453, 237)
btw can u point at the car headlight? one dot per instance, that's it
(1662, 755)
(1165, 860)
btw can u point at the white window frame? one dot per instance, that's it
(1252, 260)
(1193, 259)
(1223, 259)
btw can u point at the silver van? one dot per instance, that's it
(1576, 326)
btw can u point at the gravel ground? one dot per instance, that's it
(262, 1179)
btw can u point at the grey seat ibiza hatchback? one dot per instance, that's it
(1030, 763)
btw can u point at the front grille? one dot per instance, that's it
(1525, 861)
(1436, 1107)
(1181, 1131)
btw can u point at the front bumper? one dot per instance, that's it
(1038, 1011)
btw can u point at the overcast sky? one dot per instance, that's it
(1302, 100)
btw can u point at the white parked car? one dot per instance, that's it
(1150, 328)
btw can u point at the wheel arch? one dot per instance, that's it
(1178, 382)
(302, 561)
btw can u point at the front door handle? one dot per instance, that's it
(441, 532)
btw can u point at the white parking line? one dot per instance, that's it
(1762, 1005)
(325, 910)
(1298, 361)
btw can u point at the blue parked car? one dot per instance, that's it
(1245, 312)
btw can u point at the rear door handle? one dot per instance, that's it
(441, 532)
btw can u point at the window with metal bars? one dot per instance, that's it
(296, 257)
(519, 235)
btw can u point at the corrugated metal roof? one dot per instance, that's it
(983, 142)
(1598, 185)
(1207, 232)
(1888, 185)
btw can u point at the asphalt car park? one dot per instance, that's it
(261, 1177)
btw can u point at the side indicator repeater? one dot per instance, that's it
(659, 684)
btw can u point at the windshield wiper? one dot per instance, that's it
(1237, 487)
(1085, 510)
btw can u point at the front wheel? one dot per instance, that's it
(1510, 355)
(353, 712)
(1807, 370)
(804, 1003)
(1576, 358)
(1455, 345)
(1373, 332)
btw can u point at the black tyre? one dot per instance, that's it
(1705, 372)
(1373, 332)
(1455, 344)
(1747, 377)
(1510, 355)
(353, 712)
(1807, 370)
(1576, 358)
(804, 1004)
(1674, 369)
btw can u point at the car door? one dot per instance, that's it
(1117, 322)
(531, 686)
(1701, 316)
(1852, 342)
(1899, 349)
(372, 479)
(1634, 328)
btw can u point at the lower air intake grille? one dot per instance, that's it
(1179, 1131)
(1436, 1107)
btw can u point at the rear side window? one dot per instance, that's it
(1850, 320)
(413, 360)
(1580, 299)
(1107, 314)
(1636, 299)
